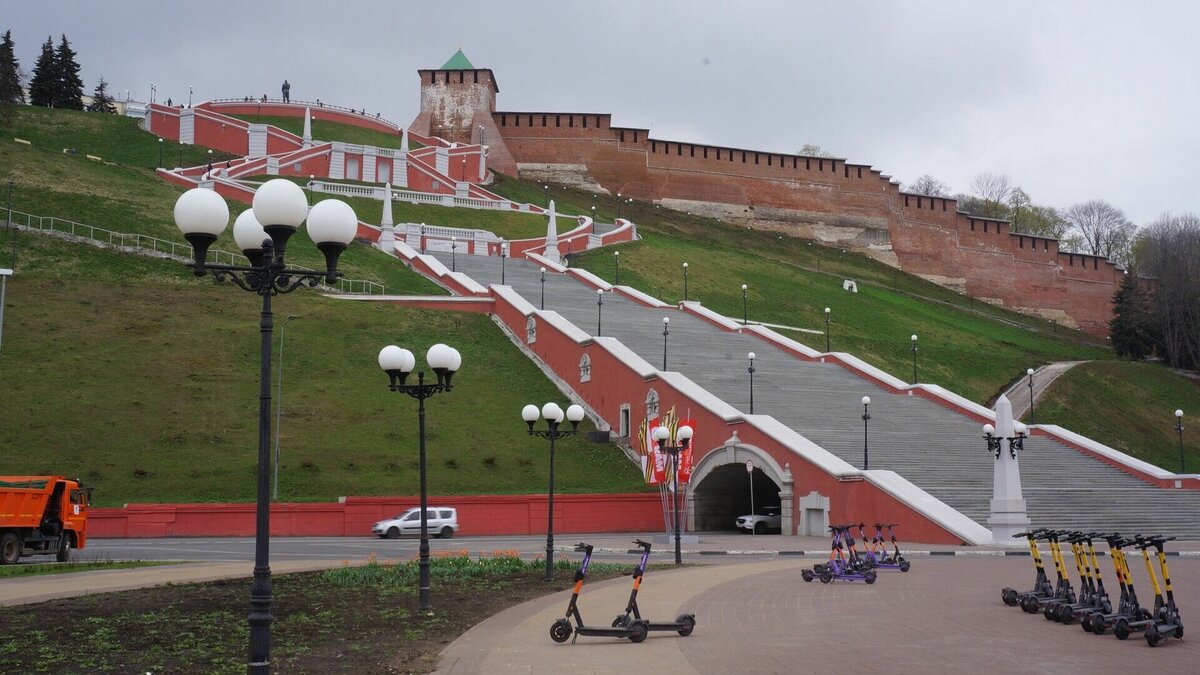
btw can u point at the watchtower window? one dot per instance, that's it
(679, 149)
(705, 153)
(475, 76)
(558, 120)
(820, 165)
(544, 118)
(692, 150)
(570, 120)
(622, 135)
(743, 157)
(462, 77)
(585, 121)
(756, 158)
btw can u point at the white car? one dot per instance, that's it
(767, 519)
(440, 521)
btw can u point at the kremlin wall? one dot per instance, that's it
(826, 199)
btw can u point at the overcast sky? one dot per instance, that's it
(1072, 100)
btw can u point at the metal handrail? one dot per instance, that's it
(146, 244)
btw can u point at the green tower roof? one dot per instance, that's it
(458, 62)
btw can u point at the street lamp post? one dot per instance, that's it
(453, 254)
(619, 200)
(599, 308)
(503, 257)
(1179, 428)
(312, 182)
(279, 409)
(745, 306)
(751, 371)
(546, 193)
(1016, 442)
(685, 290)
(398, 364)
(617, 262)
(914, 353)
(866, 418)
(180, 164)
(593, 219)
(189, 95)
(683, 438)
(1029, 372)
(160, 148)
(543, 288)
(553, 416)
(4, 275)
(202, 216)
(666, 324)
(826, 330)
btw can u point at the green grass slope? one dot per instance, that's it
(1130, 407)
(139, 378)
(326, 130)
(970, 348)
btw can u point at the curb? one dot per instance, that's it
(825, 553)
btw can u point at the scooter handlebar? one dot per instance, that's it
(583, 548)
(643, 544)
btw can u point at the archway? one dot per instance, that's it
(720, 489)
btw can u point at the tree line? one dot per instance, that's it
(54, 82)
(1157, 307)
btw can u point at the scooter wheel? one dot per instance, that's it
(905, 566)
(638, 631)
(1121, 629)
(1009, 596)
(869, 577)
(1028, 604)
(1086, 623)
(1063, 614)
(1098, 627)
(1049, 612)
(620, 621)
(807, 575)
(826, 577)
(687, 624)
(560, 630)
(1152, 636)
(1178, 632)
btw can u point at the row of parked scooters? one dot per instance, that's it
(1092, 606)
(847, 563)
(630, 624)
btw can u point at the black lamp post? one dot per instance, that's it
(745, 307)
(617, 262)
(398, 364)
(546, 193)
(180, 153)
(553, 416)
(1179, 428)
(503, 257)
(543, 288)
(914, 353)
(312, 181)
(453, 254)
(685, 290)
(751, 371)
(618, 207)
(826, 330)
(1029, 372)
(866, 418)
(683, 437)
(202, 215)
(599, 307)
(189, 95)
(666, 323)
(593, 219)
(160, 147)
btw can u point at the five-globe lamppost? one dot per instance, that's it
(398, 363)
(554, 417)
(683, 437)
(279, 208)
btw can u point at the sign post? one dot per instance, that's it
(4, 275)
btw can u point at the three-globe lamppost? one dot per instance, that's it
(553, 415)
(398, 363)
(683, 437)
(279, 208)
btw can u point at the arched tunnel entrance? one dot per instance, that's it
(724, 494)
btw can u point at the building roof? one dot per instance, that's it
(458, 62)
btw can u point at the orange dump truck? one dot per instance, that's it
(42, 515)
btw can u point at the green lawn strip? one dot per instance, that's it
(41, 569)
(1129, 407)
(132, 374)
(328, 130)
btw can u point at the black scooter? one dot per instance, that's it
(562, 629)
(684, 624)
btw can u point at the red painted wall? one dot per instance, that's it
(477, 515)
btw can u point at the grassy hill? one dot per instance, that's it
(1130, 407)
(326, 130)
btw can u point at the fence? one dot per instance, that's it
(144, 244)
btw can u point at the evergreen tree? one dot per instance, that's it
(101, 101)
(43, 83)
(10, 80)
(1134, 329)
(69, 92)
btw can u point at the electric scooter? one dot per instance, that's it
(684, 624)
(1093, 599)
(852, 568)
(1128, 607)
(1035, 602)
(1059, 609)
(1163, 621)
(562, 629)
(1041, 584)
(876, 550)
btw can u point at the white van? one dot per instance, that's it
(440, 521)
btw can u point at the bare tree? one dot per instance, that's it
(992, 187)
(1169, 252)
(811, 150)
(929, 186)
(1103, 229)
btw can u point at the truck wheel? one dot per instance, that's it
(64, 548)
(10, 549)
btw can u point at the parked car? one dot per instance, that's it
(766, 520)
(440, 521)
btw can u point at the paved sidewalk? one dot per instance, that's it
(1018, 393)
